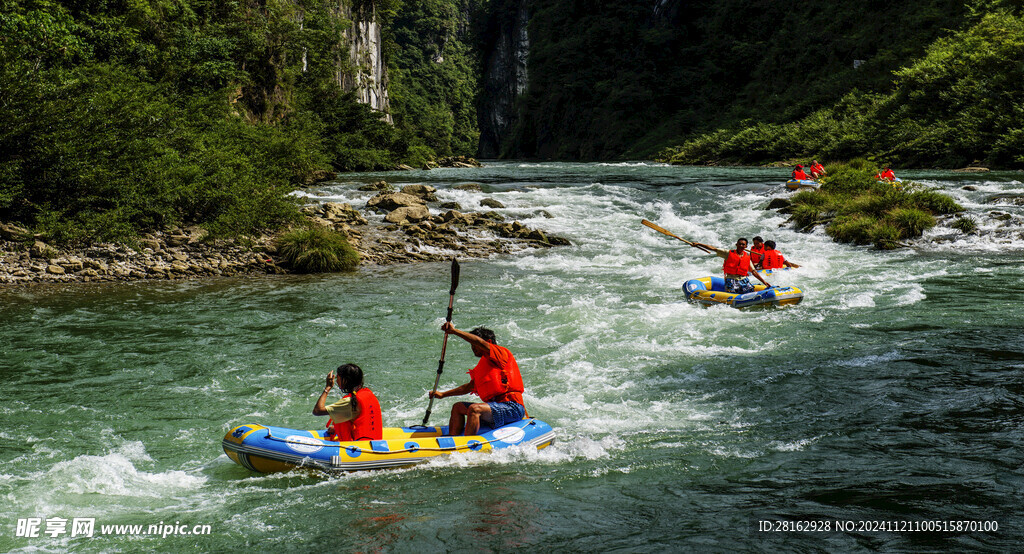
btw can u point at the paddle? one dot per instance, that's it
(663, 231)
(444, 344)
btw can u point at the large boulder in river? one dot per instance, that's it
(342, 212)
(389, 201)
(426, 192)
(408, 214)
(491, 203)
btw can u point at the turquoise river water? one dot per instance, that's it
(887, 407)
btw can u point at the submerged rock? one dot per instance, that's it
(972, 169)
(1014, 198)
(383, 186)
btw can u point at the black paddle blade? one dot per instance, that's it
(455, 275)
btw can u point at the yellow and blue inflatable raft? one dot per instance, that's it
(709, 291)
(798, 184)
(277, 449)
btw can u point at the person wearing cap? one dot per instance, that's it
(798, 174)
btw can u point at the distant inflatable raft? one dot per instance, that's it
(277, 449)
(709, 291)
(794, 184)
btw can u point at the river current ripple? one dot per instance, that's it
(893, 393)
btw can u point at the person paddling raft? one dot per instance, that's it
(356, 417)
(736, 268)
(799, 175)
(495, 379)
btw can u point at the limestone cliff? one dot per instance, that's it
(505, 74)
(367, 74)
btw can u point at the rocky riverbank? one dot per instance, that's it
(415, 228)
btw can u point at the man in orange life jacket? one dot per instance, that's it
(886, 175)
(737, 266)
(817, 170)
(356, 417)
(799, 175)
(496, 379)
(773, 259)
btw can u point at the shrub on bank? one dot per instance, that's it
(860, 210)
(316, 249)
(885, 236)
(855, 229)
(911, 222)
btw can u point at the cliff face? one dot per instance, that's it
(369, 79)
(504, 77)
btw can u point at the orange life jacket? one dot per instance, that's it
(757, 254)
(736, 264)
(773, 260)
(496, 377)
(817, 168)
(799, 175)
(367, 426)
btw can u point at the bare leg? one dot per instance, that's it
(474, 413)
(457, 421)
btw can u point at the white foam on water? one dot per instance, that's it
(116, 473)
(866, 361)
(861, 300)
(793, 446)
(632, 164)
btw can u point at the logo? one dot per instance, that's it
(303, 445)
(511, 435)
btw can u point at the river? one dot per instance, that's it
(894, 393)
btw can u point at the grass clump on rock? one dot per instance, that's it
(316, 249)
(856, 208)
(965, 225)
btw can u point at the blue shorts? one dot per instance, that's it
(503, 413)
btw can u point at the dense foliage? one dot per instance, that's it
(123, 116)
(960, 103)
(857, 208)
(434, 73)
(626, 77)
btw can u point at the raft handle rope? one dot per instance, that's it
(532, 421)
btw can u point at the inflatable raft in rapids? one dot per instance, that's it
(710, 291)
(276, 449)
